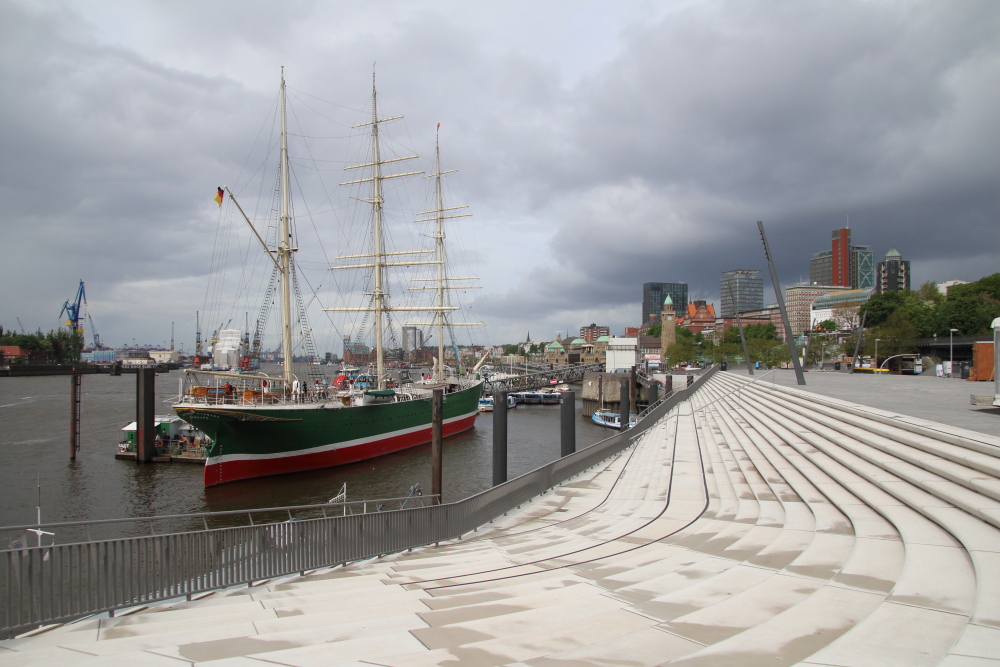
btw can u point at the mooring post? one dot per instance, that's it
(568, 430)
(145, 415)
(499, 438)
(437, 421)
(624, 408)
(633, 389)
(76, 390)
(654, 392)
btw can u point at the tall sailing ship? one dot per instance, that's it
(261, 425)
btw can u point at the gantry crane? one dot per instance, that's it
(93, 332)
(72, 310)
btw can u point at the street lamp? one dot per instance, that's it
(876, 352)
(951, 351)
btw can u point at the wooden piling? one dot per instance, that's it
(76, 392)
(437, 422)
(145, 415)
(499, 437)
(625, 406)
(567, 439)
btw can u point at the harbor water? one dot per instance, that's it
(34, 440)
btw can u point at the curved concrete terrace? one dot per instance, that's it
(754, 525)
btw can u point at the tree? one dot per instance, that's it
(929, 293)
(897, 335)
(970, 308)
(655, 331)
(827, 325)
(761, 330)
(769, 352)
(680, 352)
(510, 349)
(846, 315)
(879, 307)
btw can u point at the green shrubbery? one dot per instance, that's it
(57, 346)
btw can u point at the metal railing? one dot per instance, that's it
(59, 583)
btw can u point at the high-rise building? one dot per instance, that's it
(413, 339)
(592, 332)
(893, 273)
(653, 295)
(821, 268)
(741, 290)
(844, 265)
(799, 301)
(862, 267)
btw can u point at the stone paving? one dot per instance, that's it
(755, 525)
(944, 400)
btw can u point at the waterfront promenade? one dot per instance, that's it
(754, 525)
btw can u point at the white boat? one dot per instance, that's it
(542, 397)
(609, 419)
(486, 403)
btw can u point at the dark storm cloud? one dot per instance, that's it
(594, 158)
(102, 153)
(798, 114)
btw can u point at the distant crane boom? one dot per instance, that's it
(72, 310)
(93, 332)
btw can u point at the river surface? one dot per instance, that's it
(34, 442)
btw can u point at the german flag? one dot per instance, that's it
(219, 196)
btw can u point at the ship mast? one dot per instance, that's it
(379, 294)
(379, 256)
(285, 250)
(440, 255)
(442, 280)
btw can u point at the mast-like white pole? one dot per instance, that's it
(379, 252)
(285, 250)
(440, 256)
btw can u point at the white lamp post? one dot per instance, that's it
(951, 351)
(876, 352)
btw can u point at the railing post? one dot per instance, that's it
(499, 438)
(568, 430)
(437, 421)
(145, 415)
(624, 408)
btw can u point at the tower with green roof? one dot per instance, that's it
(668, 327)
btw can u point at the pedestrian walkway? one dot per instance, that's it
(754, 525)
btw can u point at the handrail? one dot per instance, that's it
(206, 515)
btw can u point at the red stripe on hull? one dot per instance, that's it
(231, 471)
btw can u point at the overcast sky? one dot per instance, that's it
(599, 145)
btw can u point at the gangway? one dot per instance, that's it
(537, 380)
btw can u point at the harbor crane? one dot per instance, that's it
(93, 332)
(72, 310)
